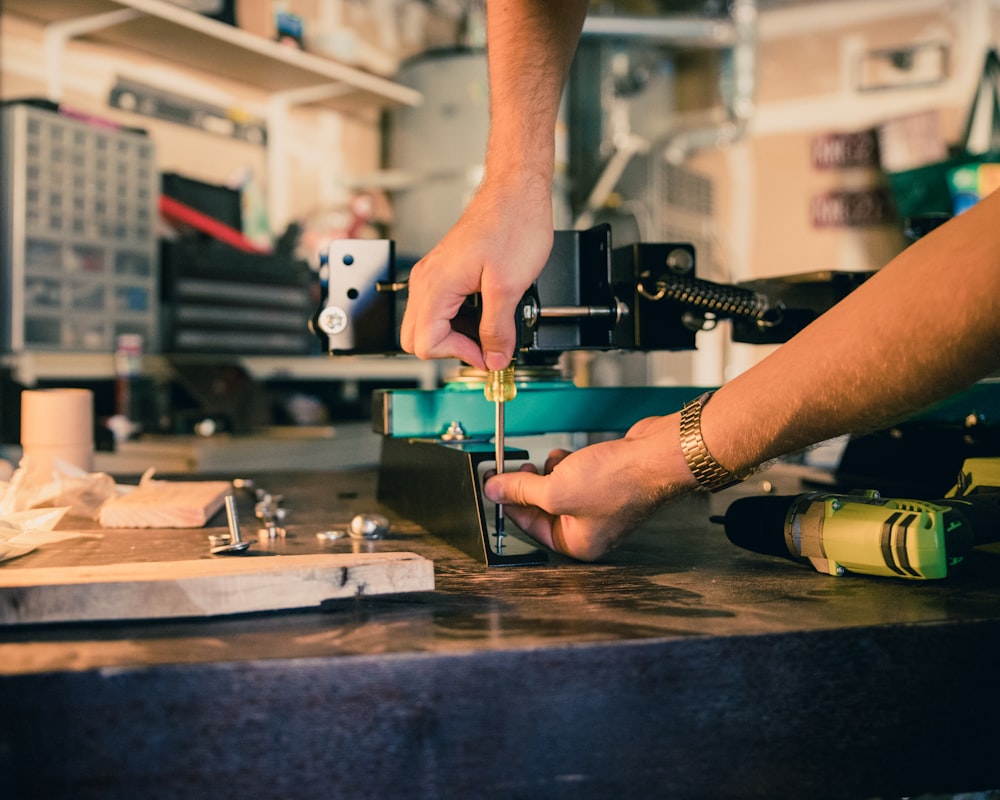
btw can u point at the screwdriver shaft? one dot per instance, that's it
(500, 388)
(498, 440)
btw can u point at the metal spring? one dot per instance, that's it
(729, 302)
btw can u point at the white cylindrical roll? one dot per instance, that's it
(58, 423)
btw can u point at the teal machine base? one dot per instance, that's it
(438, 483)
(537, 409)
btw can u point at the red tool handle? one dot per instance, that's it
(177, 211)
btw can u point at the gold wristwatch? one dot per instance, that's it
(709, 473)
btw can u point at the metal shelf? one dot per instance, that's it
(30, 366)
(184, 37)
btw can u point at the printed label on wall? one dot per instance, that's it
(842, 150)
(852, 209)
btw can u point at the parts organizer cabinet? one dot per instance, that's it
(80, 264)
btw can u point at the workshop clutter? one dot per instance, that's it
(78, 215)
(372, 36)
(221, 292)
(82, 264)
(217, 299)
(929, 177)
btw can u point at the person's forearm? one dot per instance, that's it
(926, 326)
(503, 238)
(530, 48)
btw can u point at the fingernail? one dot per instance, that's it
(496, 361)
(495, 495)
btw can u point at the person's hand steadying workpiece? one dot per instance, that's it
(587, 501)
(498, 248)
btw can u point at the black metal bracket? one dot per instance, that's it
(436, 484)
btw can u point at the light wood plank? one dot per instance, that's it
(165, 504)
(204, 588)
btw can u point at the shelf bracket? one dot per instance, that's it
(279, 104)
(57, 34)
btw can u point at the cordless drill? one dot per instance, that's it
(865, 533)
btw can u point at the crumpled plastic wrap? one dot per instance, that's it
(83, 493)
(34, 501)
(23, 531)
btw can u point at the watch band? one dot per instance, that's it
(709, 473)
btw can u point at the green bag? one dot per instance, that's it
(927, 190)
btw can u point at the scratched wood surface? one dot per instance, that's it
(677, 577)
(687, 648)
(203, 588)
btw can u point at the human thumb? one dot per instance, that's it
(517, 488)
(497, 332)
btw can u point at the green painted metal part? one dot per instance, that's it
(564, 408)
(535, 409)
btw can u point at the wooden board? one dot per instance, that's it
(165, 504)
(204, 588)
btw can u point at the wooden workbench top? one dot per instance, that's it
(679, 666)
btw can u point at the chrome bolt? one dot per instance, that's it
(234, 543)
(271, 514)
(529, 312)
(369, 526)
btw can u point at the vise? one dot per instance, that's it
(589, 296)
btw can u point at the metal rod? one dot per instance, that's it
(234, 543)
(573, 312)
(232, 517)
(499, 455)
(689, 30)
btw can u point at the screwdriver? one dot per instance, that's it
(498, 390)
